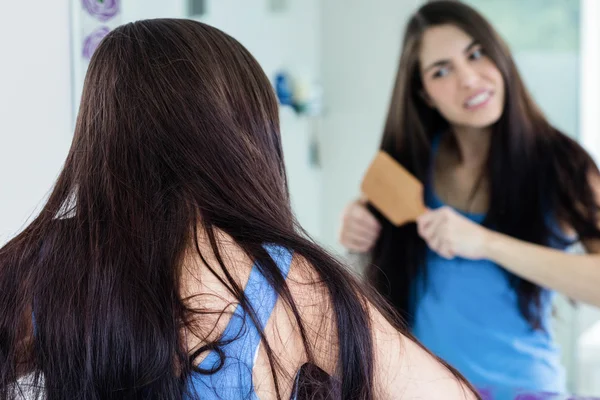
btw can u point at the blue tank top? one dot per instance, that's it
(468, 315)
(234, 379)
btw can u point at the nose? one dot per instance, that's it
(468, 76)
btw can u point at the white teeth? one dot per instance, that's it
(477, 100)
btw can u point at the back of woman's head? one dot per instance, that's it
(174, 110)
(177, 132)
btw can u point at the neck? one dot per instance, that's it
(473, 145)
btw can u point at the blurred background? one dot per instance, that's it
(332, 63)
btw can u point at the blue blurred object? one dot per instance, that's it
(283, 89)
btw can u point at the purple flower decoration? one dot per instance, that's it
(101, 9)
(92, 41)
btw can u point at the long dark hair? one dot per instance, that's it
(178, 129)
(536, 173)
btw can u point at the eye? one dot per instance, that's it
(440, 73)
(476, 54)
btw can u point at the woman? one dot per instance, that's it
(167, 264)
(506, 193)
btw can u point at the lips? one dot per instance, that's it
(478, 100)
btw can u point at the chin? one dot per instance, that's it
(482, 124)
(483, 120)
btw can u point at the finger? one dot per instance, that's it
(355, 235)
(428, 215)
(423, 232)
(433, 227)
(434, 242)
(428, 242)
(443, 250)
(361, 215)
(422, 223)
(422, 228)
(355, 215)
(358, 229)
(361, 236)
(446, 251)
(357, 244)
(361, 219)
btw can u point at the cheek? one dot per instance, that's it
(494, 74)
(498, 80)
(500, 86)
(441, 93)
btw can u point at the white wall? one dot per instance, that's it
(283, 39)
(590, 67)
(553, 79)
(360, 50)
(35, 106)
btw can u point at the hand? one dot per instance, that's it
(360, 229)
(452, 235)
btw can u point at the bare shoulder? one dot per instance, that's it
(311, 300)
(316, 311)
(405, 370)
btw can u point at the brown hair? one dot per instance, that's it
(535, 171)
(178, 129)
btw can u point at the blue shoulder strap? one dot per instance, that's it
(234, 379)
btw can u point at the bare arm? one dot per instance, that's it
(405, 370)
(575, 275)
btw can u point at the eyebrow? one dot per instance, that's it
(441, 63)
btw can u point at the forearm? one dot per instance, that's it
(575, 275)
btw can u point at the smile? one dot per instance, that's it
(479, 100)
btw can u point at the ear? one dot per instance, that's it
(423, 95)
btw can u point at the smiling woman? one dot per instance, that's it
(459, 80)
(507, 193)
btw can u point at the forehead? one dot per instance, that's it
(443, 42)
